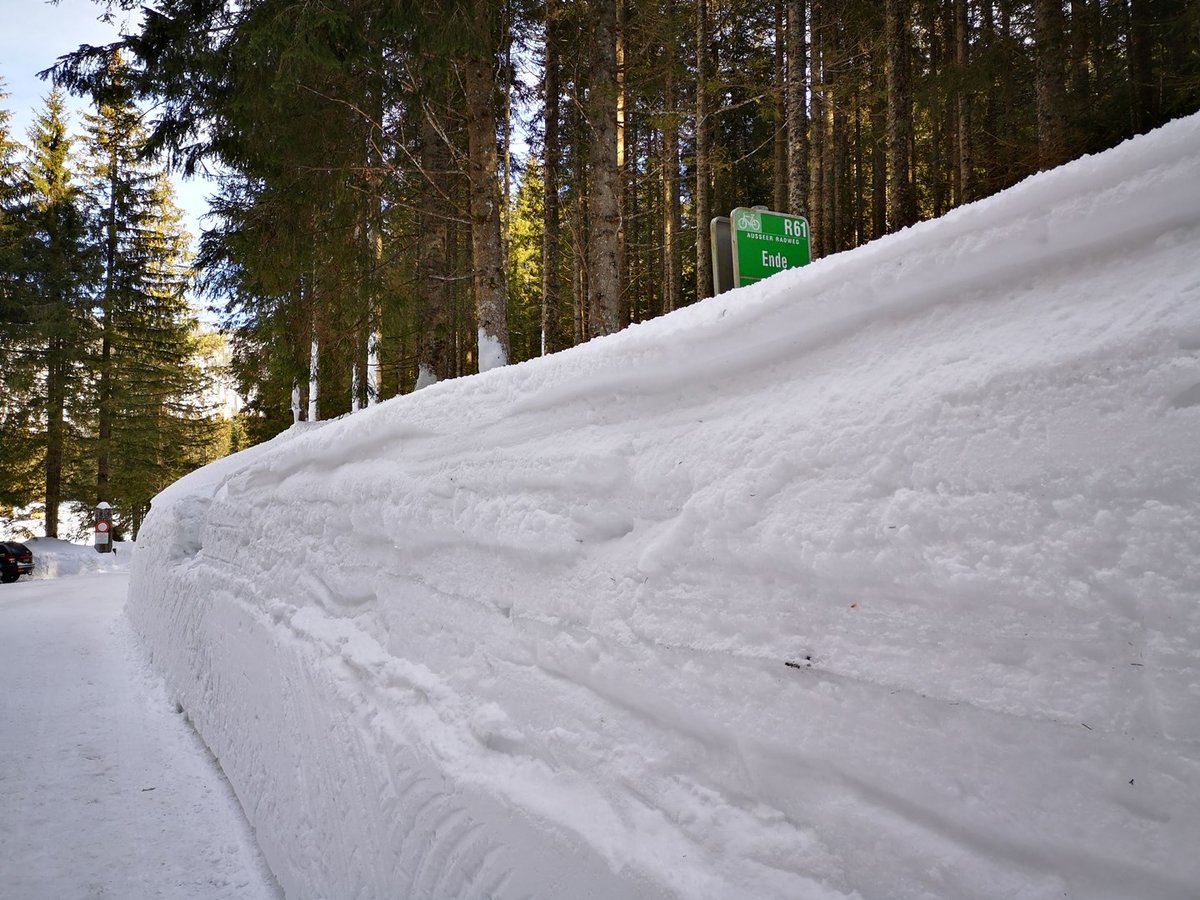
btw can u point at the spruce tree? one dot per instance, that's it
(120, 197)
(162, 424)
(18, 416)
(150, 421)
(58, 272)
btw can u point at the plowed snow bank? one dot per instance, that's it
(876, 579)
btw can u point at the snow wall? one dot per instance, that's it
(879, 579)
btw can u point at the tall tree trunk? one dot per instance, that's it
(966, 159)
(831, 206)
(491, 288)
(819, 97)
(843, 209)
(779, 96)
(373, 235)
(902, 200)
(1081, 52)
(942, 172)
(55, 431)
(552, 336)
(604, 267)
(314, 376)
(858, 164)
(672, 258)
(104, 411)
(991, 108)
(878, 145)
(624, 130)
(797, 110)
(704, 275)
(435, 345)
(1143, 97)
(579, 218)
(1051, 83)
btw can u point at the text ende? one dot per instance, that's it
(774, 260)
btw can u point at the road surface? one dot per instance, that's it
(105, 790)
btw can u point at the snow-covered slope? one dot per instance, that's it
(878, 579)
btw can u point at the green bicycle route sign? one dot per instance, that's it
(764, 243)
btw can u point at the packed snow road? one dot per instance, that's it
(106, 791)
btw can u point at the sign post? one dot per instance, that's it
(766, 242)
(721, 244)
(103, 527)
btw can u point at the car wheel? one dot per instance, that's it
(8, 577)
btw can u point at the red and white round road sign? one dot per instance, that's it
(102, 527)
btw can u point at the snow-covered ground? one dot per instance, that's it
(104, 789)
(54, 558)
(878, 579)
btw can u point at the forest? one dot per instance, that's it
(407, 192)
(102, 364)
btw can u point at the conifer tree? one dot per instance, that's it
(365, 193)
(525, 262)
(147, 385)
(161, 424)
(58, 266)
(18, 416)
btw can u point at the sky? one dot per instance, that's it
(33, 36)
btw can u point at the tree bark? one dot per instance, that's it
(987, 146)
(1081, 51)
(779, 97)
(491, 290)
(902, 201)
(579, 218)
(104, 411)
(623, 136)
(878, 145)
(1051, 83)
(552, 336)
(1144, 108)
(56, 402)
(604, 268)
(966, 159)
(672, 258)
(797, 108)
(704, 276)
(435, 346)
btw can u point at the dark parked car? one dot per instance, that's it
(15, 561)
